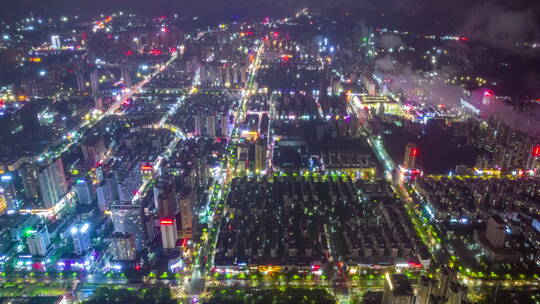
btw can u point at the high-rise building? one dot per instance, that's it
(84, 192)
(169, 232)
(122, 247)
(166, 204)
(397, 290)
(426, 287)
(126, 77)
(52, 183)
(29, 176)
(445, 278)
(411, 152)
(8, 194)
(495, 231)
(457, 294)
(94, 81)
(55, 42)
(198, 125)
(38, 241)
(532, 161)
(99, 174)
(80, 81)
(201, 171)
(260, 155)
(94, 149)
(104, 195)
(211, 126)
(129, 219)
(80, 234)
(187, 201)
(224, 125)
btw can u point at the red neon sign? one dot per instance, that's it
(536, 151)
(414, 152)
(166, 222)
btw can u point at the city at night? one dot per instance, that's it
(269, 151)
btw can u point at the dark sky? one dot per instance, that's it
(415, 14)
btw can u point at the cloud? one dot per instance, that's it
(391, 41)
(501, 27)
(387, 64)
(431, 89)
(417, 86)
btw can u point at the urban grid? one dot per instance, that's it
(316, 156)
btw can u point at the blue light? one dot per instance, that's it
(428, 209)
(6, 178)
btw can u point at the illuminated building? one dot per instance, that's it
(224, 125)
(260, 155)
(411, 152)
(129, 219)
(122, 247)
(93, 149)
(8, 196)
(84, 193)
(81, 238)
(38, 241)
(493, 241)
(29, 176)
(187, 201)
(107, 193)
(380, 103)
(487, 98)
(52, 183)
(243, 157)
(201, 171)
(169, 232)
(397, 290)
(55, 42)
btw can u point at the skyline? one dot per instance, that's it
(341, 153)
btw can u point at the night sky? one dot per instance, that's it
(414, 14)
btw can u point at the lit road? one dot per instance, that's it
(215, 205)
(270, 146)
(72, 137)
